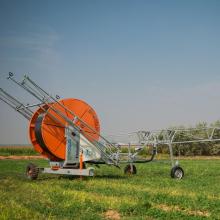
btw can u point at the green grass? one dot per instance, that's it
(151, 194)
(18, 151)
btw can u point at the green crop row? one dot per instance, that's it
(8, 151)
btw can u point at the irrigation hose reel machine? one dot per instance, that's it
(67, 147)
(67, 132)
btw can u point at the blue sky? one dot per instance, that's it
(140, 64)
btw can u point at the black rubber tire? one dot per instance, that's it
(177, 172)
(127, 170)
(32, 171)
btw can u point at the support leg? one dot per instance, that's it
(171, 154)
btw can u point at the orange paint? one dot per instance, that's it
(32, 136)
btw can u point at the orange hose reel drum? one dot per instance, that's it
(52, 133)
(40, 149)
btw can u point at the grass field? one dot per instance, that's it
(151, 194)
(17, 150)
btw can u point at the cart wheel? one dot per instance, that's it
(32, 171)
(128, 169)
(177, 172)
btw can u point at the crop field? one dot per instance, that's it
(17, 150)
(150, 194)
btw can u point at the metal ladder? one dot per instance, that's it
(109, 152)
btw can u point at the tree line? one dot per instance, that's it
(201, 130)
